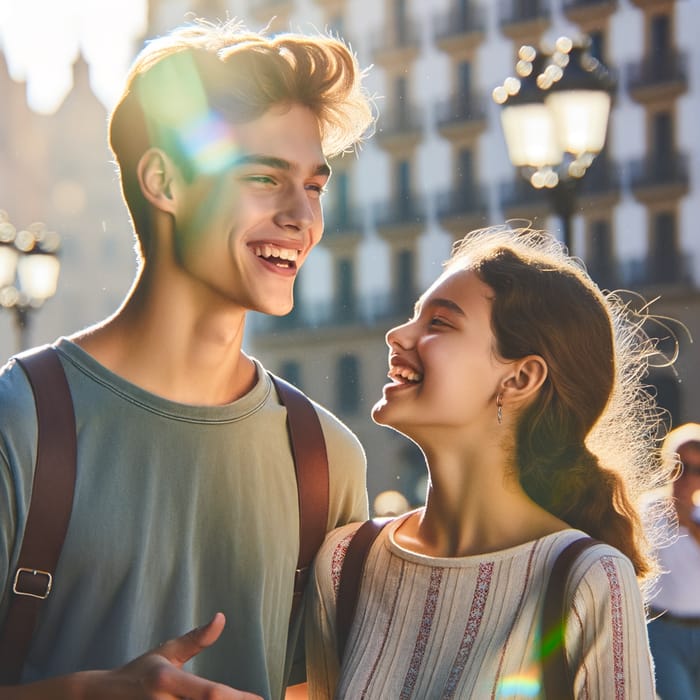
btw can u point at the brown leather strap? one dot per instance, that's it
(351, 579)
(558, 683)
(311, 466)
(49, 508)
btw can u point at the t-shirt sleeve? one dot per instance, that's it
(347, 473)
(606, 634)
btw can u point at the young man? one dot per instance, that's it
(186, 500)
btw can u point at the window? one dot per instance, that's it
(348, 384)
(465, 170)
(405, 281)
(664, 259)
(401, 20)
(340, 189)
(345, 289)
(403, 182)
(600, 260)
(597, 44)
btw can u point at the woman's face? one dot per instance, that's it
(443, 366)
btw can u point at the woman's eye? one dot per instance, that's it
(437, 321)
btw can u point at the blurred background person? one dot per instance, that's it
(674, 632)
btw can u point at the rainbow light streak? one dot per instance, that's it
(209, 144)
(518, 686)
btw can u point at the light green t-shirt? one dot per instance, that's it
(179, 511)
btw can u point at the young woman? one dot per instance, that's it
(520, 382)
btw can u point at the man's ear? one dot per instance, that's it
(527, 376)
(156, 173)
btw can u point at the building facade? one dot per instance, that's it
(436, 168)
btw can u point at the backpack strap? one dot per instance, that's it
(49, 508)
(311, 467)
(351, 578)
(555, 667)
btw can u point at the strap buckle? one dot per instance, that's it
(29, 585)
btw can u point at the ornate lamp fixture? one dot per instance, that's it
(29, 269)
(555, 117)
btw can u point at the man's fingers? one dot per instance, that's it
(183, 648)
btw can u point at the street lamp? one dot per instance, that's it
(29, 270)
(555, 118)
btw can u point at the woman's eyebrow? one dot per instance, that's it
(439, 302)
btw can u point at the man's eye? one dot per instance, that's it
(261, 179)
(317, 189)
(437, 321)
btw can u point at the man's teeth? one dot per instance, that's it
(406, 374)
(270, 251)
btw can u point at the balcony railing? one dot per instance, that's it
(669, 267)
(575, 4)
(468, 201)
(655, 71)
(602, 177)
(409, 209)
(365, 310)
(461, 109)
(657, 171)
(401, 35)
(520, 193)
(520, 11)
(406, 119)
(462, 18)
(338, 222)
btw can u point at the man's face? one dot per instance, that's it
(242, 234)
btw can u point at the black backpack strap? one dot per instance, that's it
(558, 683)
(49, 509)
(351, 579)
(311, 466)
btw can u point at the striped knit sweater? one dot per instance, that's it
(468, 627)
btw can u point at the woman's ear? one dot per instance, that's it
(527, 376)
(156, 172)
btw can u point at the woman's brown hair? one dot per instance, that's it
(586, 447)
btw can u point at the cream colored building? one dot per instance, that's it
(436, 168)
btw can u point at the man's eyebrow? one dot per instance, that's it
(322, 169)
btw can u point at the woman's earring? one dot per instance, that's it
(499, 408)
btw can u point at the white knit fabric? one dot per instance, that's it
(467, 627)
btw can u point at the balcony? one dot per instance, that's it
(363, 310)
(462, 26)
(658, 77)
(582, 11)
(601, 184)
(462, 114)
(520, 199)
(265, 10)
(524, 18)
(462, 210)
(400, 127)
(659, 177)
(396, 43)
(672, 267)
(339, 223)
(406, 214)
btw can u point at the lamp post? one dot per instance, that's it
(29, 268)
(555, 117)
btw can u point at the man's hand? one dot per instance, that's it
(157, 675)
